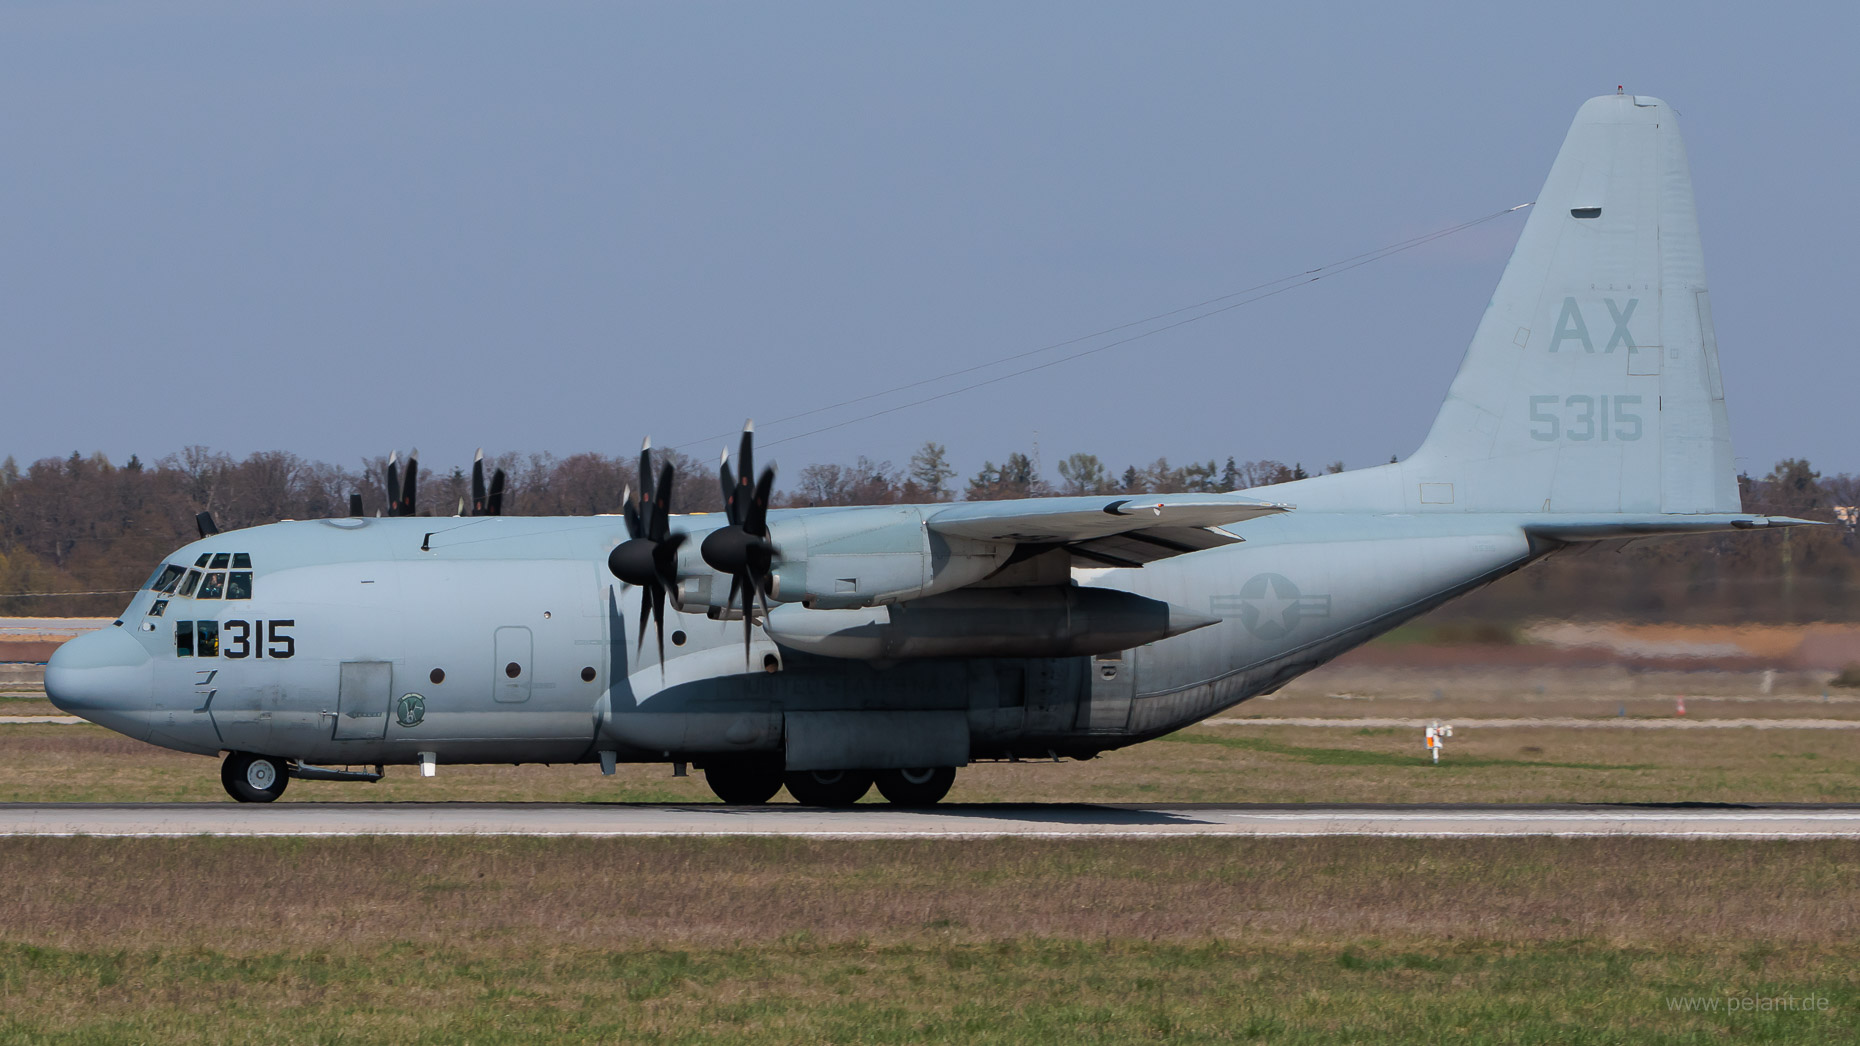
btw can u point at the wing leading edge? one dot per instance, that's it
(1122, 531)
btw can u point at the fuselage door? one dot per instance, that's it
(362, 702)
(1113, 682)
(511, 681)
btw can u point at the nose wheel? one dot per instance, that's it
(253, 778)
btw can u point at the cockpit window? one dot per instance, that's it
(184, 639)
(193, 578)
(239, 585)
(156, 573)
(164, 582)
(206, 639)
(211, 586)
(156, 608)
(219, 560)
(202, 561)
(242, 561)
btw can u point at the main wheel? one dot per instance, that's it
(828, 787)
(743, 784)
(253, 778)
(916, 786)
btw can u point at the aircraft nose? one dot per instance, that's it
(105, 676)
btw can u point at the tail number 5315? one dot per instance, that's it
(1580, 418)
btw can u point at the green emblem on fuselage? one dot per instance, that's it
(411, 710)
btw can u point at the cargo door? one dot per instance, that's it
(512, 669)
(363, 699)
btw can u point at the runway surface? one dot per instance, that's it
(946, 822)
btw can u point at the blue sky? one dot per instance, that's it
(338, 229)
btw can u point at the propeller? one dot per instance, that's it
(483, 503)
(649, 557)
(401, 492)
(743, 549)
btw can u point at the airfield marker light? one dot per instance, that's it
(1680, 709)
(1436, 736)
(429, 764)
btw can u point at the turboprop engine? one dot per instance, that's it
(1044, 621)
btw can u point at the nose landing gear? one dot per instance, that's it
(253, 778)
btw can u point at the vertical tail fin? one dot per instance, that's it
(1592, 383)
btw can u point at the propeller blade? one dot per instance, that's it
(749, 622)
(745, 463)
(726, 482)
(494, 505)
(630, 512)
(645, 611)
(757, 522)
(661, 504)
(393, 483)
(410, 484)
(665, 561)
(645, 475)
(477, 484)
(355, 505)
(658, 621)
(203, 522)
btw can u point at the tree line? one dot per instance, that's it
(88, 525)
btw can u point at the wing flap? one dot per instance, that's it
(1137, 547)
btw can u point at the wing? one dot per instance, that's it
(1123, 531)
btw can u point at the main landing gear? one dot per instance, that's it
(754, 783)
(253, 778)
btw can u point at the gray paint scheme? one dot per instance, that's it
(1588, 406)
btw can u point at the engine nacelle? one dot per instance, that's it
(850, 557)
(1047, 621)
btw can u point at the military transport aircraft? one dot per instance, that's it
(829, 649)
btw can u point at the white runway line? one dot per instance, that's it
(1566, 722)
(60, 720)
(956, 822)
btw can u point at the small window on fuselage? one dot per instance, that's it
(211, 586)
(158, 607)
(239, 585)
(207, 638)
(169, 575)
(184, 639)
(193, 578)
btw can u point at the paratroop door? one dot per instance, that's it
(362, 703)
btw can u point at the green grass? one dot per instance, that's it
(1017, 991)
(502, 940)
